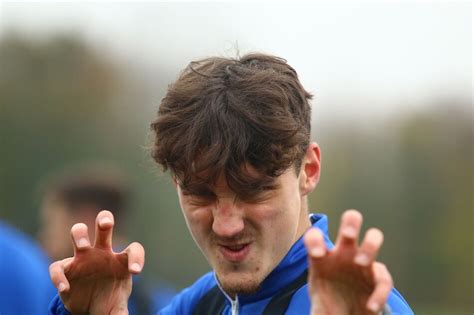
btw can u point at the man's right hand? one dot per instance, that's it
(97, 280)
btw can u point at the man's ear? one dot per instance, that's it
(310, 169)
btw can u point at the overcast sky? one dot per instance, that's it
(384, 56)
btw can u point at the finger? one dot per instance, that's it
(56, 273)
(104, 224)
(369, 248)
(314, 242)
(136, 257)
(383, 286)
(348, 234)
(80, 237)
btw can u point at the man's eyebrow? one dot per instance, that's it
(256, 193)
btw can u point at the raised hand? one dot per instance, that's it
(347, 279)
(97, 280)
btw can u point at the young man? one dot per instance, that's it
(235, 135)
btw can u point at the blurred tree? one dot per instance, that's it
(54, 97)
(413, 179)
(437, 165)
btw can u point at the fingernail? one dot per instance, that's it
(82, 242)
(105, 221)
(136, 267)
(362, 259)
(374, 306)
(61, 287)
(349, 232)
(317, 252)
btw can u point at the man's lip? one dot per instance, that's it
(233, 244)
(235, 252)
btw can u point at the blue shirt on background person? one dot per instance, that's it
(25, 287)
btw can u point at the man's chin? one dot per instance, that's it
(239, 283)
(240, 288)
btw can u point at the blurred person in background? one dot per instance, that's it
(23, 274)
(77, 194)
(235, 134)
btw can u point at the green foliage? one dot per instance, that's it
(54, 100)
(415, 183)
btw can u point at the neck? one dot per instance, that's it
(304, 221)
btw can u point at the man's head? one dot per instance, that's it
(75, 195)
(235, 135)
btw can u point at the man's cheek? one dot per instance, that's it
(266, 213)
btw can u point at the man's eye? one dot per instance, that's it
(258, 198)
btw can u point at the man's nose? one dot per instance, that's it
(228, 219)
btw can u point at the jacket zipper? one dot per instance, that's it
(235, 306)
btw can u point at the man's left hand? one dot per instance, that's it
(347, 280)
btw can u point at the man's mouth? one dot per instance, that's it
(234, 252)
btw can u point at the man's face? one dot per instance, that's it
(245, 240)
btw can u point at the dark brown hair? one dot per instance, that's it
(95, 185)
(247, 119)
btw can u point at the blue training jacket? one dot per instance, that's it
(283, 276)
(206, 292)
